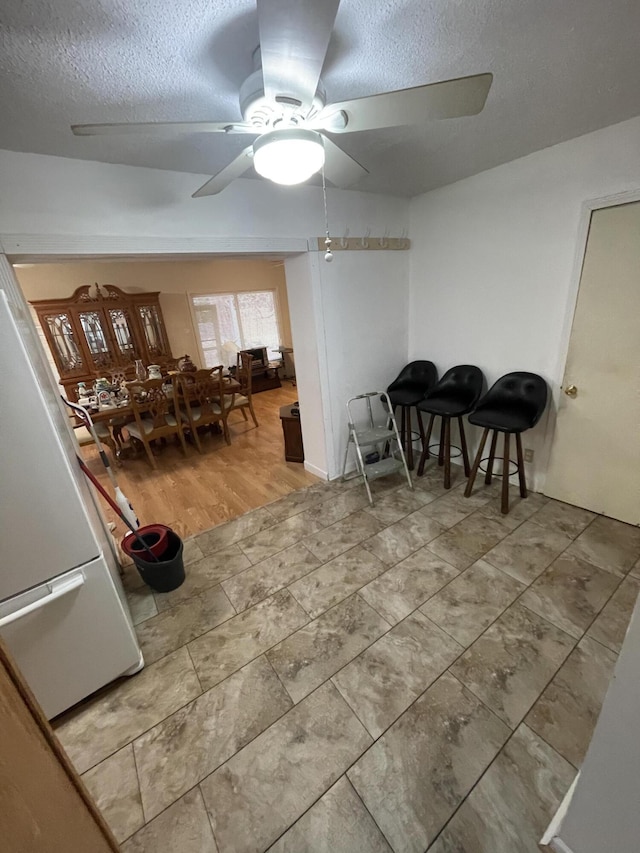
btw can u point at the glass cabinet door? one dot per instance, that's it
(122, 332)
(100, 330)
(92, 323)
(63, 342)
(153, 330)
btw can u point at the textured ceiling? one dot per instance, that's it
(561, 68)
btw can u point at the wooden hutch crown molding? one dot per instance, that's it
(95, 293)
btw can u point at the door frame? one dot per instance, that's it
(584, 223)
(58, 248)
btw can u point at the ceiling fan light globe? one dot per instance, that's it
(289, 156)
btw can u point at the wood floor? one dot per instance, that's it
(195, 493)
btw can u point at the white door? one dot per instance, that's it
(595, 456)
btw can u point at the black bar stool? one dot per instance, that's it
(407, 389)
(452, 397)
(515, 403)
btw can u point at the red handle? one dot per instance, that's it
(114, 506)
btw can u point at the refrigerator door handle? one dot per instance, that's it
(57, 590)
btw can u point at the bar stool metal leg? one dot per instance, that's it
(476, 464)
(505, 476)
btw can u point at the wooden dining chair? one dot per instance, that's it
(168, 364)
(242, 399)
(118, 374)
(84, 437)
(201, 401)
(152, 408)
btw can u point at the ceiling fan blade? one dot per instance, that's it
(236, 168)
(165, 128)
(294, 38)
(464, 96)
(339, 167)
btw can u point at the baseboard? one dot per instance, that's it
(317, 471)
(351, 469)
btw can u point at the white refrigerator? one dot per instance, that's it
(63, 612)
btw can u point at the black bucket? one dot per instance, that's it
(168, 572)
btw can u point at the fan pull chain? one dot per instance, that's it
(328, 255)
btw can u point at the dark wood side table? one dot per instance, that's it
(293, 448)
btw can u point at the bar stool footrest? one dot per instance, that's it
(434, 450)
(498, 461)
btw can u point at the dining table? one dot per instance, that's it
(117, 416)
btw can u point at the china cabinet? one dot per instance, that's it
(102, 329)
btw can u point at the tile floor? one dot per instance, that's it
(337, 678)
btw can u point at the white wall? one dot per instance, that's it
(303, 296)
(357, 305)
(350, 322)
(55, 195)
(365, 310)
(491, 275)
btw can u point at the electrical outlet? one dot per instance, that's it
(528, 455)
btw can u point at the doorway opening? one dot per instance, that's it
(193, 493)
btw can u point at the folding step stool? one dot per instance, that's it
(384, 437)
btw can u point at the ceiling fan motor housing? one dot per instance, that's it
(266, 113)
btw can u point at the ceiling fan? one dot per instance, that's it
(283, 104)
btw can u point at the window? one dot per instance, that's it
(248, 319)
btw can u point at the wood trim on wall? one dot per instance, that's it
(47, 248)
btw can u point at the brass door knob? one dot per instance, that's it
(571, 391)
